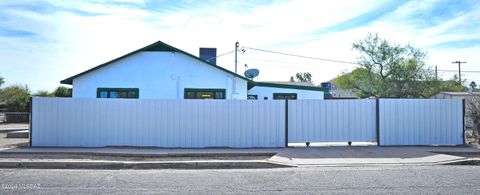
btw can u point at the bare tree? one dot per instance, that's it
(473, 114)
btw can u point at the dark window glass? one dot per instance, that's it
(204, 93)
(103, 94)
(283, 96)
(122, 94)
(252, 97)
(132, 94)
(117, 93)
(190, 95)
(113, 94)
(219, 95)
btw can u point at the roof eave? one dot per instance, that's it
(265, 84)
(146, 48)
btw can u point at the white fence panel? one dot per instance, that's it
(421, 122)
(331, 121)
(161, 123)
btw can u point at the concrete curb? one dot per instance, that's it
(7, 130)
(146, 155)
(18, 134)
(142, 165)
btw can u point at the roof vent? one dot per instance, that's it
(209, 55)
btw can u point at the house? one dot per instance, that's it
(161, 71)
(284, 90)
(454, 95)
(460, 95)
(335, 92)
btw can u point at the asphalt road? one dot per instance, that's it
(351, 180)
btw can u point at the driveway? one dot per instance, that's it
(12, 142)
(372, 155)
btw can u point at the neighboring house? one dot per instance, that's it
(458, 95)
(284, 90)
(334, 92)
(453, 95)
(161, 71)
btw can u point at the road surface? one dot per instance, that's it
(350, 180)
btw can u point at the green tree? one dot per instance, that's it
(43, 93)
(389, 70)
(473, 85)
(302, 77)
(62, 92)
(1, 81)
(16, 98)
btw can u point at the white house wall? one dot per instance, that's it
(159, 75)
(263, 92)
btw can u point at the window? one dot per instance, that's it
(131, 93)
(252, 97)
(204, 93)
(283, 96)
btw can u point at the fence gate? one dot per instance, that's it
(421, 122)
(332, 121)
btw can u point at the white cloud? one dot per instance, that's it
(69, 42)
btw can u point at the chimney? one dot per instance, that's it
(209, 55)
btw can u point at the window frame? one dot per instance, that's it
(285, 94)
(127, 90)
(253, 95)
(195, 90)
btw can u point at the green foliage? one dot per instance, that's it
(43, 93)
(1, 81)
(391, 71)
(16, 98)
(473, 85)
(440, 85)
(302, 77)
(62, 92)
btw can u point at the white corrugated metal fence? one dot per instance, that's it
(161, 123)
(243, 123)
(331, 121)
(421, 122)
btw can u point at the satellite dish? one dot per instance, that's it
(251, 73)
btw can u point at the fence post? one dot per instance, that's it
(463, 121)
(30, 104)
(286, 122)
(377, 119)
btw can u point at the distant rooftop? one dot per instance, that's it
(459, 93)
(292, 83)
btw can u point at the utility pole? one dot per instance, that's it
(459, 70)
(236, 50)
(436, 73)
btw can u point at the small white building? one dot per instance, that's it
(284, 90)
(454, 95)
(161, 71)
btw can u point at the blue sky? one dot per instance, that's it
(43, 42)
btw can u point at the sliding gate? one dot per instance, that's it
(332, 121)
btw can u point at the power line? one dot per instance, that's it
(336, 61)
(301, 56)
(472, 71)
(220, 55)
